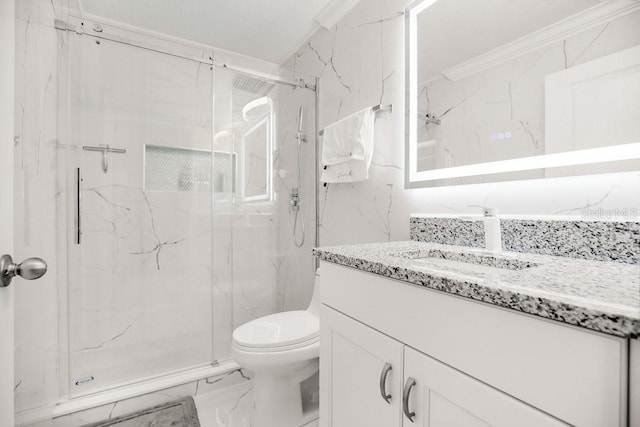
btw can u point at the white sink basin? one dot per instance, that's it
(472, 261)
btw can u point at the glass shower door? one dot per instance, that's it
(256, 121)
(140, 271)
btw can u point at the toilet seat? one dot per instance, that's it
(278, 332)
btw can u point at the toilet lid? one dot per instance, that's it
(278, 330)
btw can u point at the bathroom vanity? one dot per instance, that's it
(427, 334)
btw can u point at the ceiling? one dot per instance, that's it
(271, 30)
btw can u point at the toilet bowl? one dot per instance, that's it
(282, 351)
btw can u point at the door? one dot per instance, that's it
(140, 284)
(7, 42)
(445, 397)
(357, 366)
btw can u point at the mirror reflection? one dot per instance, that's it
(492, 81)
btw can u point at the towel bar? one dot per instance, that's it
(375, 109)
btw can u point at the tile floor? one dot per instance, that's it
(229, 407)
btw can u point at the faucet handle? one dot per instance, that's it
(487, 211)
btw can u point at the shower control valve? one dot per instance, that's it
(294, 200)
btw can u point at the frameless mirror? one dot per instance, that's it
(504, 90)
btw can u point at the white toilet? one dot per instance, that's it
(282, 351)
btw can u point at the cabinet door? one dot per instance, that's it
(443, 396)
(352, 361)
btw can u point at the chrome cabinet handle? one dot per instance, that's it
(383, 380)
(30, 269)
(405, 398)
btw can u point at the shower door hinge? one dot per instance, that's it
(59, 24)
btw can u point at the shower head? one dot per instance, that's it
(251, 84)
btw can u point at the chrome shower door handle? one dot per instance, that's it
(30, 269)
(78, 231)
(383, 381)
(405, 398)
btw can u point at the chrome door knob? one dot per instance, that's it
(30, 269)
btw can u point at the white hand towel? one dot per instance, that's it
(348, 138)
(350, 171)
(347, 148)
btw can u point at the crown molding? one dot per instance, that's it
(589, 18)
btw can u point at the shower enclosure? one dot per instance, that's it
(178, 227)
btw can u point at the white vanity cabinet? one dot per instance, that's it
(365, 370)
(361, 365)
(439, 396)
(473, 364)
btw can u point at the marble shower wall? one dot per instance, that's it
(295, 266)
(360, 62)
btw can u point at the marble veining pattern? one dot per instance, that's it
(366, 49)
(601, 296)
(617, 241)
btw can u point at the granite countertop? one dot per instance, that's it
(597, 295)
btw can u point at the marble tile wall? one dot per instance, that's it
(295, 267)
(360, 62)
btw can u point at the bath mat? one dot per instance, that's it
(179, 413)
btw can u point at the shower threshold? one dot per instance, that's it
(139, 388)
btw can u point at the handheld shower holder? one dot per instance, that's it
(301, 137)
